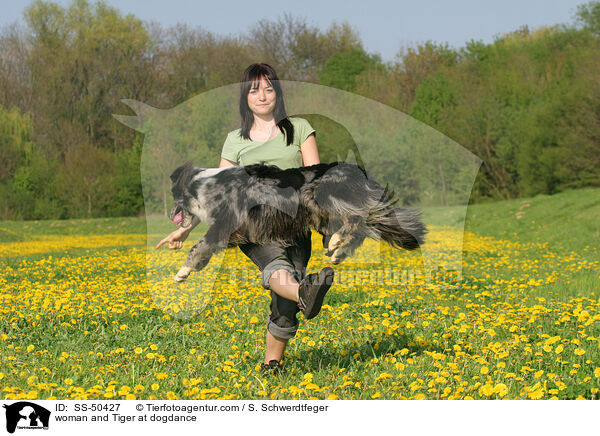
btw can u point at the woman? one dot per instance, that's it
(267, 135)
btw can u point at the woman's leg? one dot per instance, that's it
(282, 269)
(274, 347)
(282, 324)
(282, 282)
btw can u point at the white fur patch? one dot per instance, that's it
(209, 172)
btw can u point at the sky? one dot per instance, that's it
(385, 27)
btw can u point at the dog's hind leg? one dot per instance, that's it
(347, 249)
(200, 254)
(346, 240)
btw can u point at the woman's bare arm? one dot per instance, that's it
(226, 163)
(310, 152)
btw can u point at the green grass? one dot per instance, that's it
(97, 304)
(568, 221)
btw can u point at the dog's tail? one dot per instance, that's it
(401, 228)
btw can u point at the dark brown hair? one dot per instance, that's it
(251, 79)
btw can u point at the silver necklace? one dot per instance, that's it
(270, 132)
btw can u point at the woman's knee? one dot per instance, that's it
(272, 268)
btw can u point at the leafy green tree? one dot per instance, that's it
(588, 16)
(342, 68)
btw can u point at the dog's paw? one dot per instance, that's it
(182, 274)
(340, 254)
(334, 244)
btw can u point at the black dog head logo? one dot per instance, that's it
(26, 414)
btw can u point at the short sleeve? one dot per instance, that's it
(304, 130)
(230, 151)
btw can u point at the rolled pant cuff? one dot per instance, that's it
(281, 332)
(272, 267)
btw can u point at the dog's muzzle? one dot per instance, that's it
(179, 216)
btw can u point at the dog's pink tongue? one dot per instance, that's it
(177, 219)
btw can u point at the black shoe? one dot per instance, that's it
(312, 290)
(274, 366)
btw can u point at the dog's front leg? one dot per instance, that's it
(197, 259)
(200, 254)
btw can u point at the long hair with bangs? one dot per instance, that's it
(250, 79)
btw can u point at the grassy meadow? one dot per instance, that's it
(79, 322)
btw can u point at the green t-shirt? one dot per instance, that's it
(275, 151)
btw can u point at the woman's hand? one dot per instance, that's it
(175, 238)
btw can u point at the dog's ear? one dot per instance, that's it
(177, 173)
(181, 173)
(181, 178)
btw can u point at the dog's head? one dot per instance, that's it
(181, 178)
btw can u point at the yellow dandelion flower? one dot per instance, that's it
(30, 348)
(536, 395)
(486, 390)
(155, 386)
(579, 351)
(253, 320)
(138, 350)
(501, 389)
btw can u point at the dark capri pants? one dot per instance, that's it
(282, 322)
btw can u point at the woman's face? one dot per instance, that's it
(261, 99)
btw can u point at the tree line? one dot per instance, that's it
(527, 104)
